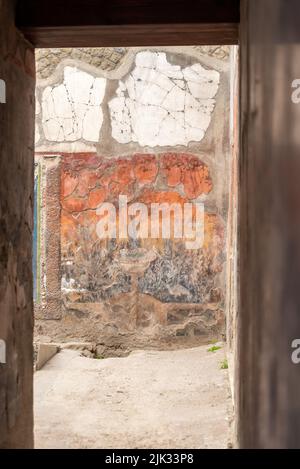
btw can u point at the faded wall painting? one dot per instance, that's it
(141, 150)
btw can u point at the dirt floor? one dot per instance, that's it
(150, 399)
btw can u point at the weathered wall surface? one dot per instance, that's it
(180, 287)
(151, 125)
(231, 306)
(16, 220)
(269, 266)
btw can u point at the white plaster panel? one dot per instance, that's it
(160, 104)
(72, 110)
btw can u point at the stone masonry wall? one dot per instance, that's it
(151, 125)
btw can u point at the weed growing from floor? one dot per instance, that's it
(224, 364)
(214, 348)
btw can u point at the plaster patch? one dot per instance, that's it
(161, 104)
(72, 110)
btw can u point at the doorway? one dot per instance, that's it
(134, 210)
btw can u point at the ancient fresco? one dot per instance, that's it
(132, 149)
(94, 270)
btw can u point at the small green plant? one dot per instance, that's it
(214, 348)
(99, 357)
(224, 364)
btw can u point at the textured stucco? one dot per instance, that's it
(16, 222)
(105, 58)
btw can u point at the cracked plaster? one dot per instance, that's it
(163, 104)
(72, 110)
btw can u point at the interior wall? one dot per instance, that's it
(269, 224)
(232, 228)
(151, 125)
(17, 69)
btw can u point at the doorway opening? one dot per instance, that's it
(135, 246)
